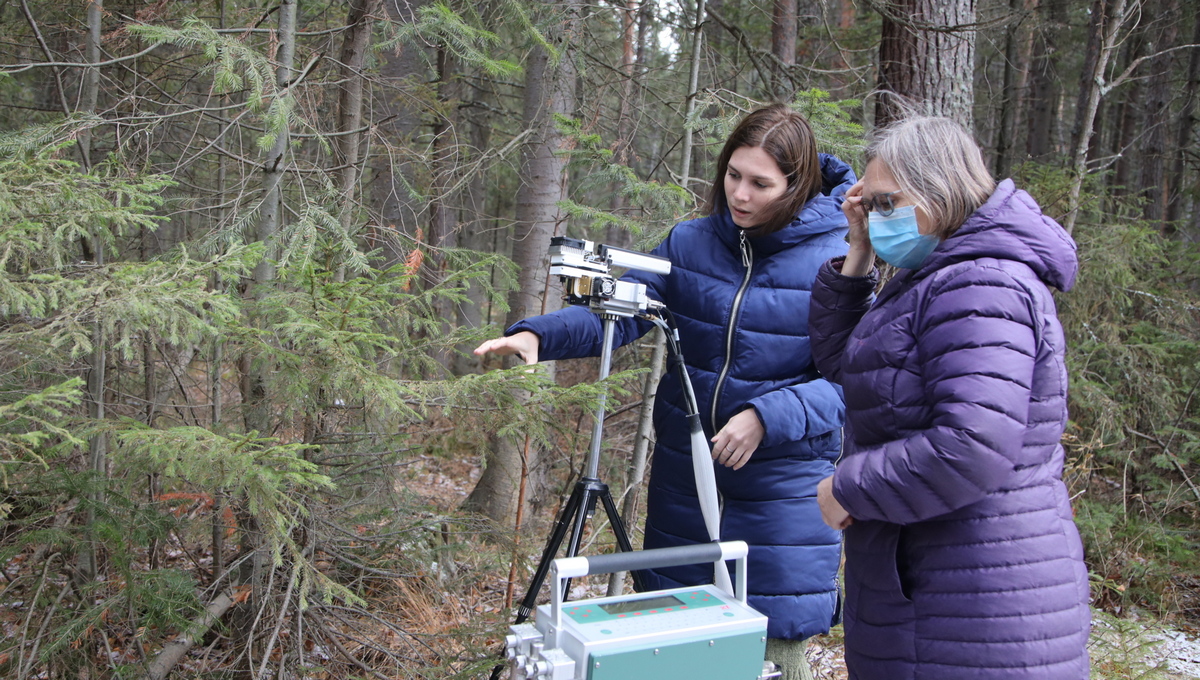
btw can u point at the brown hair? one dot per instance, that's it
(786, 137)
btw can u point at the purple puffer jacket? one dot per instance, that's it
(963, 560)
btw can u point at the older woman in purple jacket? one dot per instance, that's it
(962, 560)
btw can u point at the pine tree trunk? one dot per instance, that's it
(685, 166)
(89, 566)
(615, 235)
(1128, 117)
(476, 234)
(897, 61)
(1183, 136)
(1099, 10)
(1044, 86)
(783, 46)
(549, 91)
(1010, 97)
(927, 60)
(257, 400)
(359, 20)
(444, 206)
(1157, 112)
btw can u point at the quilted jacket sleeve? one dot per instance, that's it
(800, 411)
(975, 348)
(836, 305)
(574, 332)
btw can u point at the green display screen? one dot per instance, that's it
(640, 605)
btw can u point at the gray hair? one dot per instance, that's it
(938, 164)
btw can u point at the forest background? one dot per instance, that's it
(247, 245)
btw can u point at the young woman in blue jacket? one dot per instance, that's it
(739, 288)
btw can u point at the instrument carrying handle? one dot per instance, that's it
(565, 568)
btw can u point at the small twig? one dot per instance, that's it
(22, 670)
(287, 599)
(37, 640)
(346, 653)
(1174, 459)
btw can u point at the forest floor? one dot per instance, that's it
(1120, 648)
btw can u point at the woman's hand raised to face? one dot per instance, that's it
(861, 257)
(524, 344)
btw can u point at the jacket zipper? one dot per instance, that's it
(748, 263)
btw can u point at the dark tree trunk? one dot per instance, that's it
(783, 46)
(1183, 136)
(1012, 90)
(1100, 9)
(1162, 34)
(1128, 117)
(1045, 89)
(927, 59)
(897, 61)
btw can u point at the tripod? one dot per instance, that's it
(582, 503)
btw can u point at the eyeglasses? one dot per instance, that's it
(883, 204)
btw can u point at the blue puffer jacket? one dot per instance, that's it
(744, 334)
(963, 560)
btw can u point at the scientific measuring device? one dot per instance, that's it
(692, 633)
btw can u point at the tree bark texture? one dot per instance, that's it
(360, 19)
(98, 362)
(1183, 135)
(945, 80)
(783, 45)
(897, 62)
(1011, 88)
(1044, 85)
(1128, 133)
(1162, 32)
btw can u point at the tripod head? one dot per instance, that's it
(585, 268)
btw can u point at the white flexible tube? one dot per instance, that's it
(706, 491)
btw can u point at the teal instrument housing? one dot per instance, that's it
(675, 634)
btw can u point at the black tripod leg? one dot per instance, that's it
(587, 508)
(614, 519)
(572, 514)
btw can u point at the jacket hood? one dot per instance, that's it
(820, 215)
(1011, 226)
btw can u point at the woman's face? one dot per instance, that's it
(879, 185)
(753, 181)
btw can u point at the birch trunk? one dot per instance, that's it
(1110, 27)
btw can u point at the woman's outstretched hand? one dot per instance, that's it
(524, 344)
(734, 444)
(831, 510)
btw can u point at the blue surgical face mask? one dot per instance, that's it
(897, 240)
